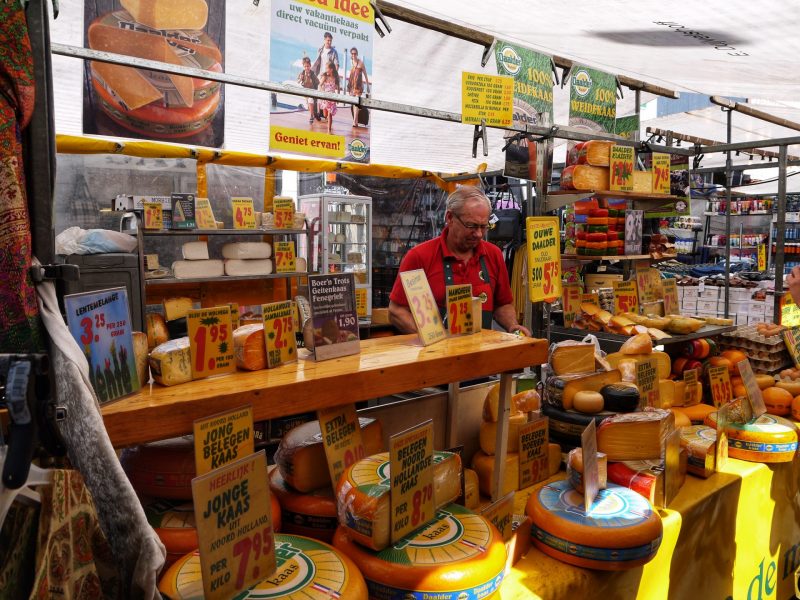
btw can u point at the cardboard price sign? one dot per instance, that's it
(544, 258)
(423, 306)
(719, 380)
(533, 452)
(591, 473)
(223, 438)
(361, 302)
(648, 281)
(204, 214)
(647, 382)
(285, 261)
(501, 515)
(234, 526)
(691, 378)
(341, 438)
(411, 468)
(621, 168)
(211, 341)
(790, 312)
(153, 215)
(244, 216)
(670, 288)
(486, 99)
(762, 257)
(571, 301)
(591, 298)
(283, 209)
(791, 338)
(661, 173)
(754, 395)
(626, 296)
(333, 315)
(279, 334)
(459, 309)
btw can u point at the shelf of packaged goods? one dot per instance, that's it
(748, 248)
(196, 232)
(751, 214)
(585, 258)
(225, 278)
(384, 366)
(555, 200)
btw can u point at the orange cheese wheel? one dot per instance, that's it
(249, 347)
(312, 514)
(162, 469)
(174, 524)
(769, 439)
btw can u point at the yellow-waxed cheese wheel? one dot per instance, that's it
(458, 555)
(306, 569)
(472, 493)
(622, 531)
(588, 402)
(311, 514)
(770, 439)
(488, 433)
(364, 499)
(484, 467)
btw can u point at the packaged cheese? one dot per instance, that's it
(248, 267)
(572, 358)
(635, 436)
(247, 250)
(171, 362)
(249, 347)
(584, 177)
(195, 250)
(197, 269)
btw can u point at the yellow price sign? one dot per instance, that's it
(285, 261)
(361, 302)
(691, 378)
(423, 306)
(544, 258)
(669, 287)
(661, 173)
(487, 98)
(533, 453)
(153, 215)
(790, 312)
(501, 515)
(283, 209)
(591, 298)
(244, 216)
(719, 380)
(223, 438)
(571, 301)
(204, 214)
(762, 257)
(648, 281)
(411, 472)
(211, 341)
(621, 160)
(647, 382)
(626, 296)
(459, 309)
(279, 335)
(791, 338)
(341, 438)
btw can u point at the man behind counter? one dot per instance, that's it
(459, 255)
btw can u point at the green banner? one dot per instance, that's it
(592, 99)
(533, 82)
(628, 127)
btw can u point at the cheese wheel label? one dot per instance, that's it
(769, 438)
(606, 554)
(166, 514)
(611, 509)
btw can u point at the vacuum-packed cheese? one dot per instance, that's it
(198, 269)
(249, 267)
(247, 250)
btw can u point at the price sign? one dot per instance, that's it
(283, 209)
(719, 380)
(211, 341)
(626, 296)
(459, 309)
(234, 526)
(333, 315)
(244, 217)
(487, 98)
(544, 258)
(591, 473)
(223, 438)
(571, 301)
(279, 333)
(661, 173)
(153, 215)
(621, 168)
(647, 382)
(423, 306)
(591, 298)
(411, 468)
(285, 261)
(341, 438)
(151, 262)
(204, 214)
(791, 338)
(762, 257)
(790, 312)
(501, 515)
(361, 302)
(670, 288)
(648, 281)
(691, 378)
(533, 452)
(754, 395)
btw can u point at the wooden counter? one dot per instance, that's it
(384, 366)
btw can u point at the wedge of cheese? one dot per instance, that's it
(171, 362)
(249, 347)
(483, 464)
(247, 250)
(252, 267)
(198, 269)
(635, 436)
(168, 14)
(128, 86)
(177, 307)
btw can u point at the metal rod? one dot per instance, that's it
(749, 167)
(728, 182)
(781, 230)
(713, 143)
(754, 112)
(786, 141)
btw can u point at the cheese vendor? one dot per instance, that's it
(458, 256)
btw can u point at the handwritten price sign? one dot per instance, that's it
(411, 468)
(571, 299)
(501, 515)
(244, 217)
(626, 296)
(544, 258)
(283, 209)
(423, 306)
(762, 257)
(661, 170)
(648, 281)
(670, 288)
(754, 395)
(279, 333)
(621, 168)
(153, 215)
(719, 380)
(341, 438)
(285, 261)
(203, 214)
(459, 309)
(211, 341)
(533, 453)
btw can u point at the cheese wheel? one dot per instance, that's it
(156, 330)
(484, 467)
(575, 469)
(306, 569)
(163, 469)
(587, 401)
(171, 362)
(487, 437)
(177, 308)
(249, 348)
(770, 439)
(458, 555)
(364, 499)
(301, 457)
(621, 532)
(566, 426)
(312, 514)
(198, 269)
(173, 522)
(472, 493)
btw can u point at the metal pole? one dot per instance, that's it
(728, 182)
(781, 231)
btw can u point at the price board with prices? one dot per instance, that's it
(153, 215)
(211, 341)
(333, 315)
(487, 99)
(361, 302)
(341, 438)
(533, 452)
(423, 306)
(626, 296)
(719, 380)
(223, 438)
(661, 173)
(244, 216)
(234, 526)
(459, 309)
(283, 209)
(791, 338)
(571, 301)
(621, 161)
(648, 283)
(285, 261)
(279, 335)
(544, 258)
(669, 286)
(411, 469)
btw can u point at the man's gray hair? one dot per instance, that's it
(457, 199)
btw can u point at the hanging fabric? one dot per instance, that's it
(18, 551)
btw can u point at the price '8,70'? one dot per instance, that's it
(216, 333)
(421, 496)
(258, 544)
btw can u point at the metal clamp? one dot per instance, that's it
(487, 53)
(480, 134)
(379, 17)
(40, 273)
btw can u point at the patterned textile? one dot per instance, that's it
(73, 559)
(20, 327)
(18, 551)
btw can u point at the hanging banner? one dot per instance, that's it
(326, 47)
(486, 99)
(627, 127)
(592, 99)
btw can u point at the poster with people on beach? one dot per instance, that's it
(323, 45)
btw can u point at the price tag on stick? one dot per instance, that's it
(501, 515)
(244, 217)
(204, 214)
(754, 395)
(211, 341)
(691, 378)
(544, 258)
(571, 300)
(411, 468)
(719, 380)
(223, 438)
(341, 438)
(670, 288)
(534, 458)
(591, 473)
(279, 336)
(285, 261)
(153, 215)
(459, 309)
(647, 382)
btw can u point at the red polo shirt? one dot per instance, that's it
(430, 256)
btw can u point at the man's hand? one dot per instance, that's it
(506, 315)
(793, 281)
(401, 317)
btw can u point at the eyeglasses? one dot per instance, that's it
(474, 226)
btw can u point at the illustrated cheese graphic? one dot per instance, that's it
(364, 498)
(249, 347)
(236, 267)
(171, 362)
(140, 356)
(131, 89)
(572, 359)
(770, 439)
(177, 308)
(247, 250)
(163, 469)
(195, 250)
(198, 269)
(301, 457)
(472, 493)
(156, 330)
(458, 555)
(635, 436)
(168, 14)
(488, 433)
(312, 514)
(306, 569)
(700, 443)
(621, 531)
(484, 467)
(575, 469)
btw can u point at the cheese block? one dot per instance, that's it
(622, 531)
(472, 494)
(566, 426)
(595, 153)
(173, 522)
(248, 268)
(364, 499)
(458, 555)
(168, 14)
(195, 251)
(198, 269)
(171, 362)
(488, 433)
(700, 442)
(572, 359)
(584, 177)
(177, 308)
(484, 467)
(301, 457)
(162, 469)
(769, 439)
(553, 459)
(247, 250)
(306, 569)
(249, 347)
(635, 436)
(575, 469)
(140, 356)
(664, 362)
(156, 330)
(311, 514)
(671, 392)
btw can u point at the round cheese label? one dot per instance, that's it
(613, 507)
(372, 476)
(170, 514)
(770, 429)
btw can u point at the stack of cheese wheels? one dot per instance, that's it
(622, 531)
(364, 489)
(247, 258)
(458, 555)
(769, 439)
(306, 569)
(312, 514)
(174, 524)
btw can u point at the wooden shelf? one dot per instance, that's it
(223, 279)
(555, 200)
(385, 366)
(195, 232)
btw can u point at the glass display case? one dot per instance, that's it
(340, 238)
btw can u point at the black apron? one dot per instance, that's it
(486, 315)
